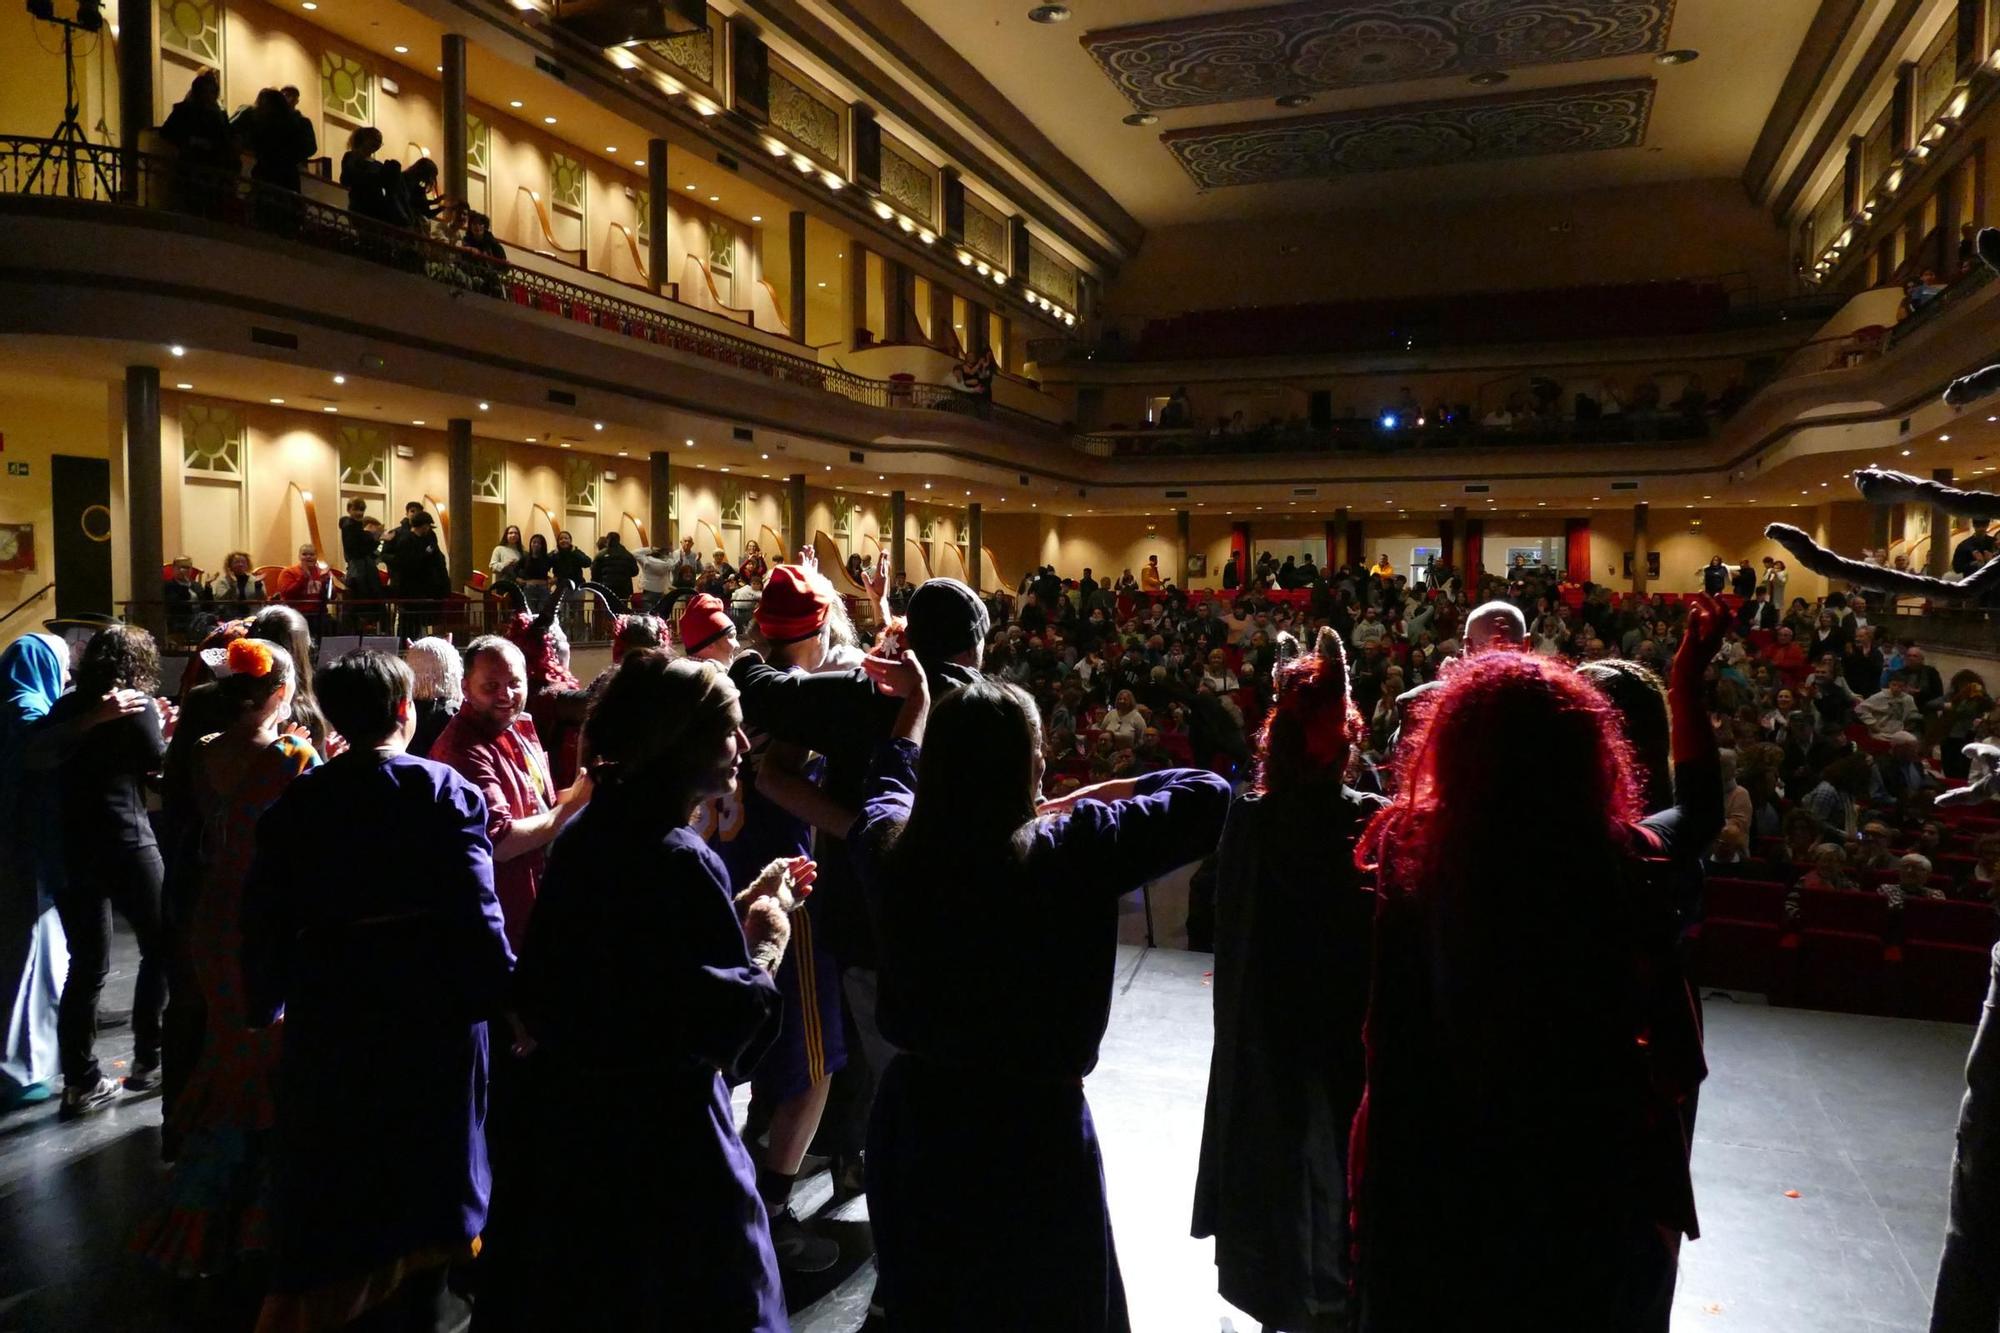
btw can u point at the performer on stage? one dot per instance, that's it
(772, 813)
(985, 1188)
(1294, 929)
(1530, 1036)
(645, 988)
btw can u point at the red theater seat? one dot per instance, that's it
(1736, 944)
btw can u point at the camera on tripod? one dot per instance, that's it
(89, 14)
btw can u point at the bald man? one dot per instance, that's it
(1494, 625)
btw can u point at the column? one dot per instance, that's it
(857, 296)
(795, 513)
(1181, 553)
(796, 231)
(974, 557)
(1460, 553)
(660, 498)
(896, 514)
(659, 208)
(895, 302)
(458, 497)
(1878, 529)
(1639, 548)
(1939, 562)
(136, 65)
(143, 495)
(1336, 543)
(454, 132)
(941, 332)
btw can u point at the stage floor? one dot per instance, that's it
(1856, 1114)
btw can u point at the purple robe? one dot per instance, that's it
(386, 972)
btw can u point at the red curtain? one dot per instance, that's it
(1475, 552)
(1444, 542)
(1239, 551)
(1577, 561)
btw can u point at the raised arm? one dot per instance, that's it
(1696, 817)
(820, 712)
(1876, 578)
(1171, 818)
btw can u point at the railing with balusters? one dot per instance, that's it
(105, 174)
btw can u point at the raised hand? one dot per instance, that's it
(899, 677)
(1884, 487)
(875, 578)
(808, 556)
(788, 880)
(1707, 622)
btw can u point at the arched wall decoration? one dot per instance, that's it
(1584, 118)
(1267, 53)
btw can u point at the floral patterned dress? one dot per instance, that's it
(216, 1196)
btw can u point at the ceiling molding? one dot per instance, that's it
(1889, 38)
(1576, 119)
(953, 80)
(1335, 45)
(1810, 67)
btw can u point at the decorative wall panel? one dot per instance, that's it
(1330, 44)
(346, 89)
(478, 144)
(489, 471)
(909, 182)
(581, 478)
(693, 52)
(212, 439)
(193, 28)
(364, 457)
(811, 123)
(566, 182)
(1580, 119)
(1052, 276)
(985, 232)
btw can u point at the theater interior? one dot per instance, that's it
(1572, 290)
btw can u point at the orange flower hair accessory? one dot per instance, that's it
(250, 657)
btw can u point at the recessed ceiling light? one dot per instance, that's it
(1290, 100)
(1050, 14)
(715, 199)
(548, 120)
(516, 104)
(1142, 118)
(279, 401)
(329, 409)
(690, 187)
(1681, 57)
(765, 457)
(184, 386)
(756, 217)
(565, 444)
(1944, 439)
(1486, 78)
(638, 161)
(722, 469)
(611, 148)
(340, 379)
(597, 425)
(690, 444)
(177, 350)
(1906, 453)
(822, 284)
(416, 423)
(309, 5)
(400, 50)
(621, 453)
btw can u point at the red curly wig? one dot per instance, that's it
(1508, 733)
(1313, 725)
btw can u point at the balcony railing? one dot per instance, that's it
(1359, 436)
(108, 175)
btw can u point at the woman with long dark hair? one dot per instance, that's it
(287, 628)
(111, 859)
(984, 1099)
(1294, 920)
(223, 1110)
(1531, 1039)
(644, 979)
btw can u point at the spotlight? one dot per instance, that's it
(1388, 421)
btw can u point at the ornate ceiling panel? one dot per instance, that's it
(1332, 44)
(1579, 119)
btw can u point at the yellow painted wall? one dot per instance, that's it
(1628, 234)
(41, 416)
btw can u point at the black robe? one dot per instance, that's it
(1293, 925)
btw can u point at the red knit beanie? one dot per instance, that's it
(703, 620)
(795, 604)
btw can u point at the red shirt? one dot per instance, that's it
(304, 588)
(512, 772)
(1789, 661)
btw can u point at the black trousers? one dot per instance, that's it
(131, 882)
(1968, 1281)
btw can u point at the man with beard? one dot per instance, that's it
(492, 744)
